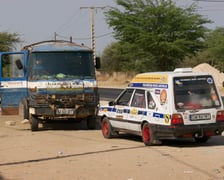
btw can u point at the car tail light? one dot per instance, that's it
(177, 119)
(220, 116)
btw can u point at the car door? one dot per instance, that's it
(137, 110)
(13, 81)
(121, 109)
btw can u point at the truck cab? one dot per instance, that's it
(54, 80)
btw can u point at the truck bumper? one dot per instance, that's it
(188, 131)
(48, 112)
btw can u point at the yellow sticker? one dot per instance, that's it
(151, 78)
(166, 118)
(134, 111)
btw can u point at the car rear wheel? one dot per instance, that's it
(106, 128)
(202, 139)
(147, 134)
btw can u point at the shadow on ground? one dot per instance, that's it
(179, 143)
(67, 125)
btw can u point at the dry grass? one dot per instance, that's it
(116, 79)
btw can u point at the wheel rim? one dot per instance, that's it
(105, 128)
(146, 134)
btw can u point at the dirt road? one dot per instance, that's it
(72, 152)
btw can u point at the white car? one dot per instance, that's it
(179, 107)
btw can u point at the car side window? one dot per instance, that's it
(139, 99)
(125, 97)
(151, 102)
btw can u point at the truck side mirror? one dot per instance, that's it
(19, 64)
(111, 103)
(97, 63)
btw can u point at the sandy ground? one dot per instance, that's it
(72, 152)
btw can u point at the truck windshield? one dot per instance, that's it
(61, 65)
(195, 92)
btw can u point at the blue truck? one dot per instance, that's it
(51, 80)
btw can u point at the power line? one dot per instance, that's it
(210, 0)
(211, 10)
(63, 26)
(84, 38)
(96, 37)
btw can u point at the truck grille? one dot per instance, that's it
(63, 100)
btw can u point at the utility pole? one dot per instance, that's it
(93, 44)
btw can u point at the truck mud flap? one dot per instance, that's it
(10, 111)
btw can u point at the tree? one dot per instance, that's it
(8, 41)
(118, 57)
(215, 48)
(112, 58)
(213, 53)
(157, 34)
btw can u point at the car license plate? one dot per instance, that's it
(65, 111)
(196, 117)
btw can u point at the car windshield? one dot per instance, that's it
(61, 65)
(195, 92)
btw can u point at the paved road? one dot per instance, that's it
(72, 152)
(108, 94)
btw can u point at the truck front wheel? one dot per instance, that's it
(34, 123)
(91, 122)
(25, 112)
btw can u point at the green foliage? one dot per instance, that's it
(155, 34)
(122, 56)
(213, 53)
(7, 41)
(112, 58)
(215, 48)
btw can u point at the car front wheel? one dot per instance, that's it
(106, 128)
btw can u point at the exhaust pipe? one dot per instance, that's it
(196, 135)
(217, 132)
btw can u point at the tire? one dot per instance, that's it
(106, 128)
(25, 112)
(203, 139)
(91, 122)
(147, 134)
(34, 123)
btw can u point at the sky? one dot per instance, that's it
(39, 20)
